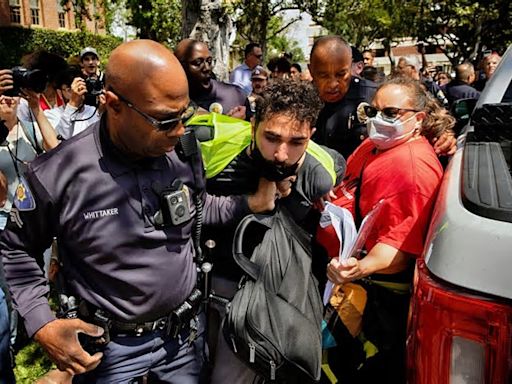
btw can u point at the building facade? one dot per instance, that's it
(50, 14)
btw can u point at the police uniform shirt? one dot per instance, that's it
(101, 208)
(337, 126)
(220, 98)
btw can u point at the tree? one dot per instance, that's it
(253, 19)
(361, 22)
(463, 29)
(210, 21)
(158, 20)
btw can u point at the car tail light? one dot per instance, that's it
(456, 337)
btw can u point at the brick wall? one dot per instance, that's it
(48, 16)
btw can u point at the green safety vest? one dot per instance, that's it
(231, 136)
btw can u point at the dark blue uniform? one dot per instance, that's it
(337, 126)
(457, 90)
(101, 206)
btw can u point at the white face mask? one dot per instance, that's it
(387, 134)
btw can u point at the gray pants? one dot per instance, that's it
(163, 359)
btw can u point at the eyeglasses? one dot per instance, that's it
(161, 125)
(201, 61)
(258, 56)
(392, 113)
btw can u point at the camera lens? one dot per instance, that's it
(174, 200)
(180, 211)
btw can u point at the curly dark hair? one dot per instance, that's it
(298, 100)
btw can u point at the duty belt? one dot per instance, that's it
(172, 324)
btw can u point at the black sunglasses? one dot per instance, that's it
(161, 125)
(388, 112)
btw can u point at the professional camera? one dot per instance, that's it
(33, 79)
(94, 89)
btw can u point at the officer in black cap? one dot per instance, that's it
(123, 204)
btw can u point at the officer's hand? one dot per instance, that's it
(60, 339)
(284, 187)
(5, 80)
(446, 144)
(264, 198)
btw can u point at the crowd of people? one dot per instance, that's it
(103, 194)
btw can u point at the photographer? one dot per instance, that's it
(19, 144)
(90, 60)
(84, 104)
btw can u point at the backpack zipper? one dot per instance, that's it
(252, 353)
(272, 370)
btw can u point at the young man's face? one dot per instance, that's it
(90, 64)
(282, 139)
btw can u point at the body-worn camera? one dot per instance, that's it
(94, 88)
(33, 79)
(174, 205)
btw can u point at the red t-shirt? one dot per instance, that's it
(407, 178)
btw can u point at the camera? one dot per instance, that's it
(94, 89)
(174, 205)
(33, 79)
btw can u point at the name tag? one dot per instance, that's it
(101, 213)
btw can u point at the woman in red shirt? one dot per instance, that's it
(398, 165)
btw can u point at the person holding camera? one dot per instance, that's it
(124, 198)
(20, 143)
(84, 104)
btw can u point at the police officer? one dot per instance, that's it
(337, 125)
(103, 194)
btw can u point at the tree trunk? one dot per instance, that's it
(207, 20)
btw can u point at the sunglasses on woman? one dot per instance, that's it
(391, 113)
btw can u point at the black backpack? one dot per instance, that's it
(273, 323)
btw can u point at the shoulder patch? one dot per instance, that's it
(23, 198)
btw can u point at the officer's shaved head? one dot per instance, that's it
(138, 64)
(330, 67)
(144, 78)
(332, 43)
(465, 72)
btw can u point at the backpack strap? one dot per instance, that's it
(252, 269)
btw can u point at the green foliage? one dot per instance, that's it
(261, 21)
(31, 364)
(158, 20)
(16, 42)
(464, 28)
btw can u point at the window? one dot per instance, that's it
(15, 11)
(61, 13)
(34, 11)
